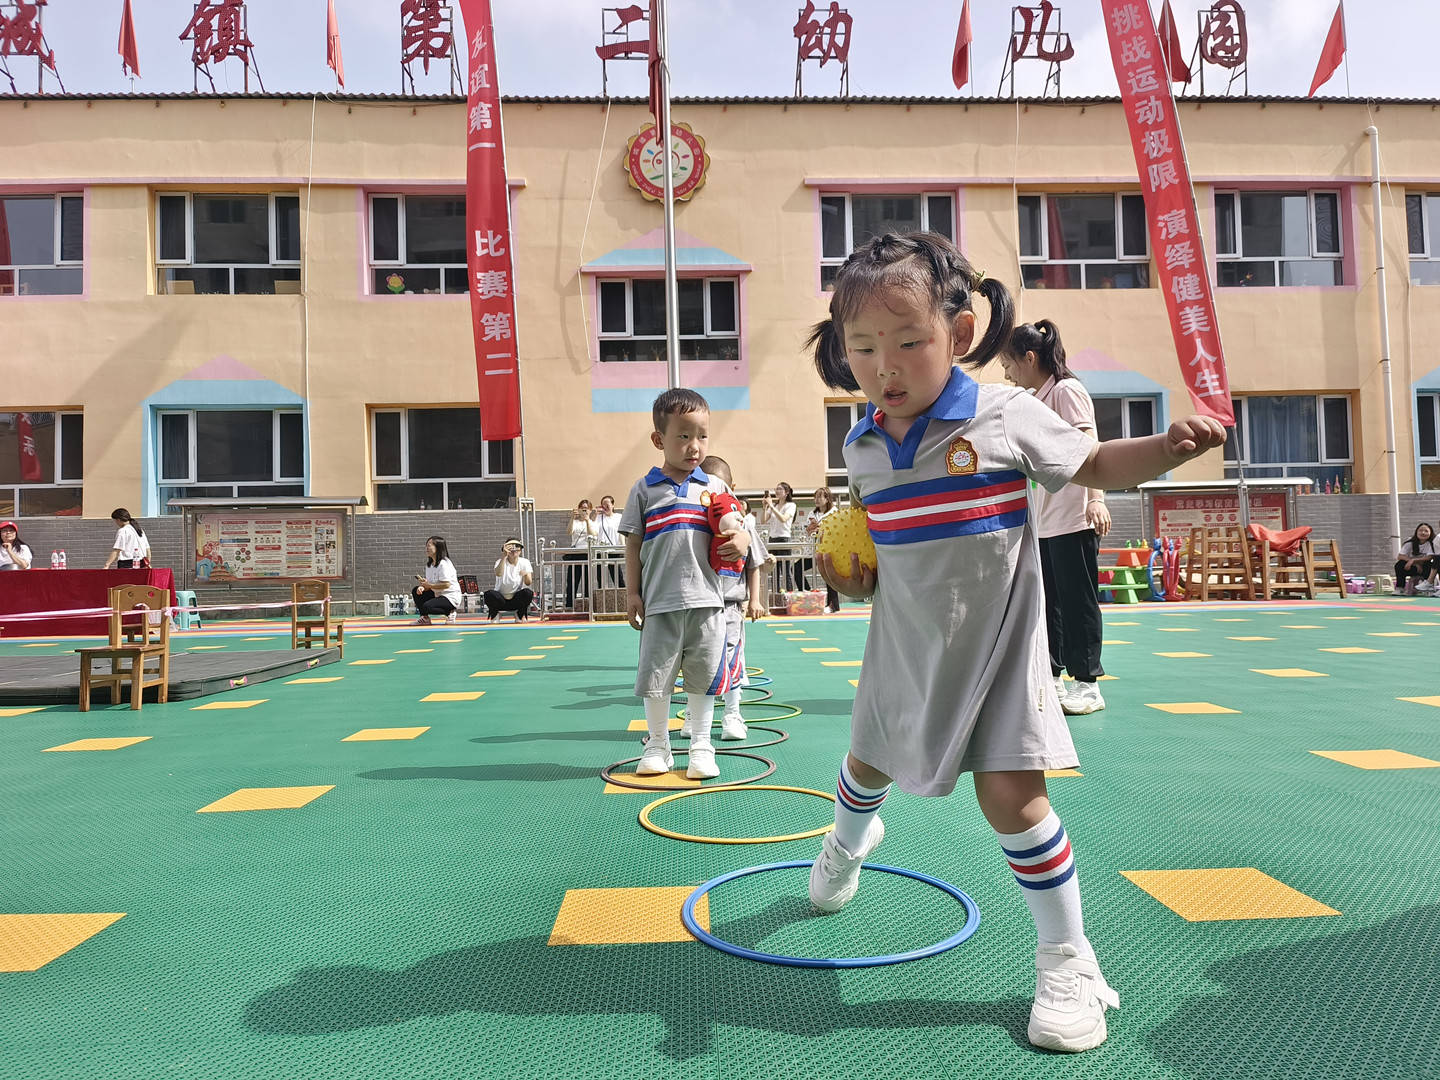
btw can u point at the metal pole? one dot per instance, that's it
(1374, 134)
(672, 292)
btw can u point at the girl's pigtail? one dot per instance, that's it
(1002, 322)
(830, 361)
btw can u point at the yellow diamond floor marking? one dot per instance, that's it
(625, 916)
(385, 734)
(266, 798)
(304, 682)
(229, 705)
(1183, 655)
(1423, 700)
(38, 645)
(364, 635)
(259, 639)
(1227, 893)
(1339, 618)
(537, 647)
(1252, 638)
(23, 711)
(1050, 773)
(1189, 708)
(1391, 633)
(1422, 624)
(446, 641)
(676, 778)
(777, 625)
(1113, 641)
(797, 630)
(854, 682)
(640, 725)
(1247, 620)
(1378, 759)
(202, 648)
(413, 650)
(559, 637)
(1290, 673)
(825, 648)
(841, 663)
(1178, 629)
(99, 744)
(803, 639)
(362, 663)
(29, 942)
(1288, 626)
(1116, 623)
(455, 695)
(483, 674)
(1352, 649)
(467, 633)
(527, 656)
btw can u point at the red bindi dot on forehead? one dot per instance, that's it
(932, 341)
(880, 332)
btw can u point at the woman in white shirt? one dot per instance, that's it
(513, 576)
(439, 591)
(824, 507)
(1413, 563)
(131, 549)
(607, 534)
(14, 552)
(584, 531)
(777, 517)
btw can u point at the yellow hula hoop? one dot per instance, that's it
(658, 831)
(759, 705)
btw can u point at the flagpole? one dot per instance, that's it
(672, 292)
(1345, 36)
(1390, 449)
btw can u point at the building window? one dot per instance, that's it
(632, 319)
(230, 454)
(1124, 417)
(436, 459)
(42, 245)
(1292, 435)
(45, 482)
(1427, 425)
(227, 243)
(840, 417)
(1422, 215)
(1084, 242)
(847, 221)
(417, 245)
(1278, 238)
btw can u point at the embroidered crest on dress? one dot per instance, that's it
(960, 459)
(705, 498)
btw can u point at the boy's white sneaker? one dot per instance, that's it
(733, 727)
(1083, 698)
(1061, 690)
(702, 764)
(1071, 997)
(836, 873)
(655, 760)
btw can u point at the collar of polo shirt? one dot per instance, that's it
(956, 402)
(657, 476)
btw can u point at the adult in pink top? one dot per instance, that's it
(1069, 522)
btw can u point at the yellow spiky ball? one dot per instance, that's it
(844, 533)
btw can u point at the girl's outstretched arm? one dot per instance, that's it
(1123, 463)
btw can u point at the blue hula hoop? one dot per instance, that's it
(972, 922)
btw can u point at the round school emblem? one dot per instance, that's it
(705, 498)
(960, 458)
(646, 168)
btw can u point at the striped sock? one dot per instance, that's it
(855, 805)
(1045, 868)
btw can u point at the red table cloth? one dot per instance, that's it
(64, 590)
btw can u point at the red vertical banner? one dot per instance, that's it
(488, 233)
(1174, 224)
(30, 471)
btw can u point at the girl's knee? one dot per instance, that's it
(865, 775)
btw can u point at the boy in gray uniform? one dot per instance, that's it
(674, 597)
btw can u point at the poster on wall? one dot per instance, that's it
(1175, 515)
(245, 546)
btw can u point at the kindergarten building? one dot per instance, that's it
(244, 296)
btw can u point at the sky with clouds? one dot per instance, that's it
(730, 48)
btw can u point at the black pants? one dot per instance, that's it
(1069, 565)
(576, 578)
(1420, 571)
(427, 603)
(519, 603)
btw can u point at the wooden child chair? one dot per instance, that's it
(304, 628)
(139, 633)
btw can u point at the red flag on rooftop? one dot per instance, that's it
(1332, 53)
(129, 50)
(960, 62)
(1171, 47)
(332, 44)
(654, 60)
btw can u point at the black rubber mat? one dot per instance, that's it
(55, 680)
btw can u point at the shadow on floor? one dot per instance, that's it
(532, 771)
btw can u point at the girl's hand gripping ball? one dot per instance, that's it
(845, 553)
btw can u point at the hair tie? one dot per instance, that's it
(979, 277)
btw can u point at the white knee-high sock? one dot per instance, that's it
(855, 805)
(1044, 866)
(657, 720)
(732, 702)
(699, 714)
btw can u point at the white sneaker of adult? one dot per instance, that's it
(655, 760)
(702, 764)
(732, 726)
(1083, 698)
(1071, 997)
(836, 873)
(1062, 691)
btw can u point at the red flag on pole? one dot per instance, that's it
(653, 62)
(487, 231)
(1332, 53)
(129, 51)
(30, 471)
(1171, 47)
(960, 62)
(332, 44)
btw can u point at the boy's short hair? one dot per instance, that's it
(678, 402)
(717, 466)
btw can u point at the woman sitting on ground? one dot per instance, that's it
(1416, 558)
(513, 576)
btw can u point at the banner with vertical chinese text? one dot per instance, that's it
(1173, 223)
(488, 233)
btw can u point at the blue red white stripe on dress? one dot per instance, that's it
(948, 506)
(1045, 866)
(675, 518)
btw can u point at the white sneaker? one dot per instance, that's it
(836, 873)
(1084, 698)
(1062, 691)
(1071, 997)
(685, 732)
(452, 617)
(702, 764)
(733, 727)
(654, 761)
